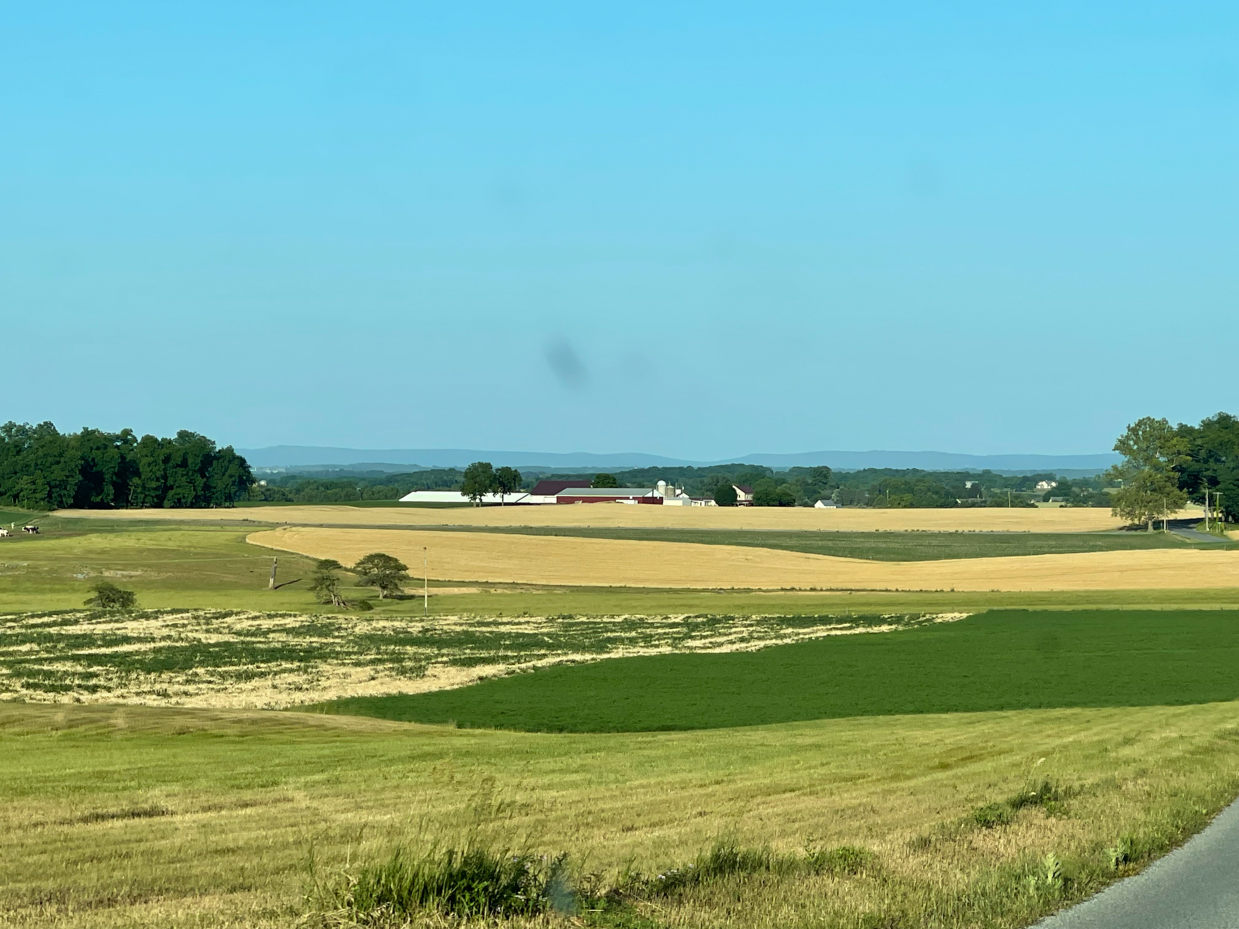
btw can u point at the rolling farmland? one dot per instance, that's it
(166, 788)
(505, 558)
(987, 519)
(995, 661)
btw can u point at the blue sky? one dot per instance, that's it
(695, 231)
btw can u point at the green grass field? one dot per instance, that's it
(995, 661)
(127, 817)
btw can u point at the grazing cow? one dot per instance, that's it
(33, 530)
(4, 533)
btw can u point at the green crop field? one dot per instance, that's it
(249, 659)
(995, 661)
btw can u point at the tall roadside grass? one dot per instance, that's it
(482, 884)
(732, 884)
(475, 882)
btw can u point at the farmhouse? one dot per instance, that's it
(744, 494)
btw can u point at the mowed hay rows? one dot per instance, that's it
(553, 560)
(997, 519)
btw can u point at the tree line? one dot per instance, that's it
(1165, 466)
(42, 469)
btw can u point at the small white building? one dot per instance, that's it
(826, 505)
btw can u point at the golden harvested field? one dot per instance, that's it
(1042, 519)
(504, 558)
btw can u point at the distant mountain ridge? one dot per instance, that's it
(304, 456)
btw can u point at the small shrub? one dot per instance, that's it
(845, 859)
(1047, 795)
(473, 883)
(365, 606)
(991, 815)
(1121, 852)
(107, 596)
(724, 859)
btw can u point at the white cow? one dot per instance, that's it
(4, 533)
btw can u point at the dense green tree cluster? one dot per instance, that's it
(482, 478)
(42, 468)
(1210, 462)
(1164, 466)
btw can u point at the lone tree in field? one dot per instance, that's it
(107, 596)
(325, 583)
(604, 480)
(507, 481)
(479, 481)
(382, 571)
(725, 495)
(1152, 450)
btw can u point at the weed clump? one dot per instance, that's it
(1121, 852)
(724, 859)
(843, 860)
(1047, 796)
(992, 814)
(470, 883)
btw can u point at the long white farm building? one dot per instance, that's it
(574, 491)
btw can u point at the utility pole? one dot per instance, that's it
(1206, 508)
(425, 581)
(1008, 498)
(271, 583)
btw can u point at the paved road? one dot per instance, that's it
(1194, 887)
(1195, 535)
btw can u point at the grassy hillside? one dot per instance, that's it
(123, 817)
(195, 565)
(996, 661)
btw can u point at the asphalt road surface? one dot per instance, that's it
(1194, 887)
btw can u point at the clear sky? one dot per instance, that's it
(692, 230)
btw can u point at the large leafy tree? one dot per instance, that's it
(1152, 451)
(768, 493)
(382, 571)
(604, 480)
(325, 582)
(506, 481)
(479, 480)
(1211, 463)
(725, 495)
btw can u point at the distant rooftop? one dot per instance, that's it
(551, 488)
